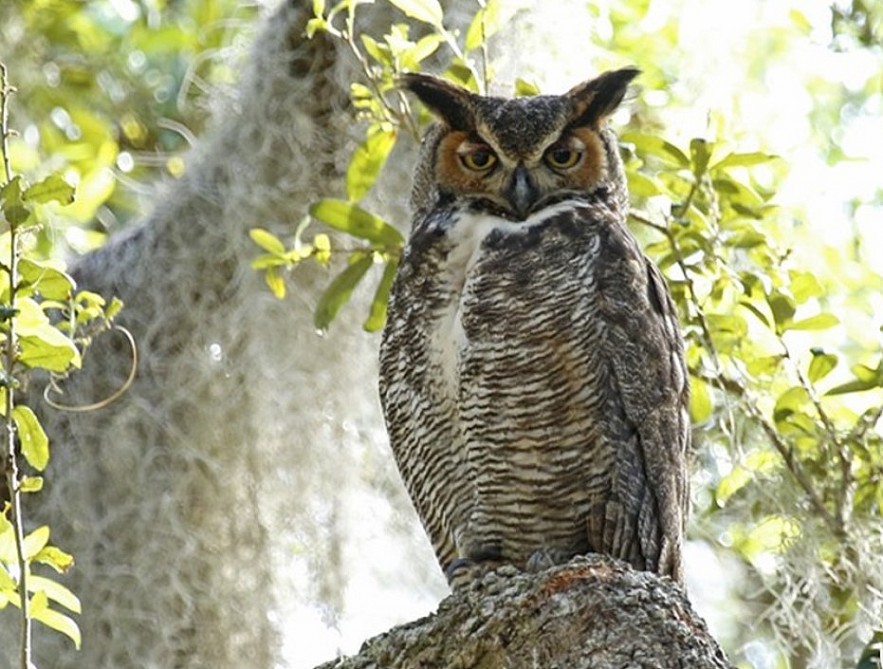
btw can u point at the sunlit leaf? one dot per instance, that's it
(33, 440)
(52, 188)
(485, 24)
(821, 365)
(377, 314)
(56, 620)
(804, 286)
(656, 146)
(700, 154)
(35, 541)
(352, 219)
(379, 52)
(367, 161)
(12, 204)
(339, 292)
(794, 400)
(730, 484)
(817, 322)
(783, 308)
(866, 379)
(49, 349)
(765, 365)
(56, 558)
(7, 583)
(51, 283)
(423, 49)
(31, 484)
(701, 405)
(275, 281)
(427, 11)
(55, 591)
(744, 160)
(267, 240)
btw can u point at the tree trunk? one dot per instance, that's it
(591, 613)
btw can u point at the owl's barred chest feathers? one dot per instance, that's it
(532, 373)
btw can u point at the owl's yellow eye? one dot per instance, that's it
(479, 159)
(562, 157)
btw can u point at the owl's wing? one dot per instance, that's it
(417, 406)
(645, 517)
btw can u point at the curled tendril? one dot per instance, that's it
(110, 399)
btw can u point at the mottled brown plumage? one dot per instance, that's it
(532, 372)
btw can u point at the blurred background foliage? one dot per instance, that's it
(112, 92)
(753, 147)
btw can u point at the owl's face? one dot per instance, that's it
(513, 157)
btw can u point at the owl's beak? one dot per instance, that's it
(521, 193)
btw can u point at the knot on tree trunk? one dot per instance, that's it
(592, 613)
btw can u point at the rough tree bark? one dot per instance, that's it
(593, 613)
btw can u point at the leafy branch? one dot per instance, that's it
(44, 325)
(387, 112)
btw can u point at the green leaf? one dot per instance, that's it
(701, 405)
(12, 203)
(700, 154)
(7, 583)
(49, 349)
(35, 542)
(60, 622)
(658, 147)
(339, 292)
(792, 401)
(51, 188)
(275, 282)
(730, 484)
(783, 308)
(56, 558)
(377, 314)
(34, 442)
(379, 52)
(423, 49)
(367, 161)
(54, 591)
(267, 241)
(817, 322)
(766, 365)
(51, 283)
(116, 306)
(427, 11)
(352, 219)
(866, 378)
(744, 160)
(804, 286)
(821, 365)
(485, 23)
(31, 483)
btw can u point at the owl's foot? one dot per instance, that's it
(464, 571)
(546, 558)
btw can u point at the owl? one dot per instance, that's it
(532, 371)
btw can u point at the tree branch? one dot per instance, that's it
(593, 612)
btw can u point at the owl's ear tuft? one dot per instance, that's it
(448, 102)
(596, 99)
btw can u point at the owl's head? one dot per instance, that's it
(513, 157)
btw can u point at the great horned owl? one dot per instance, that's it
(532, 371)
